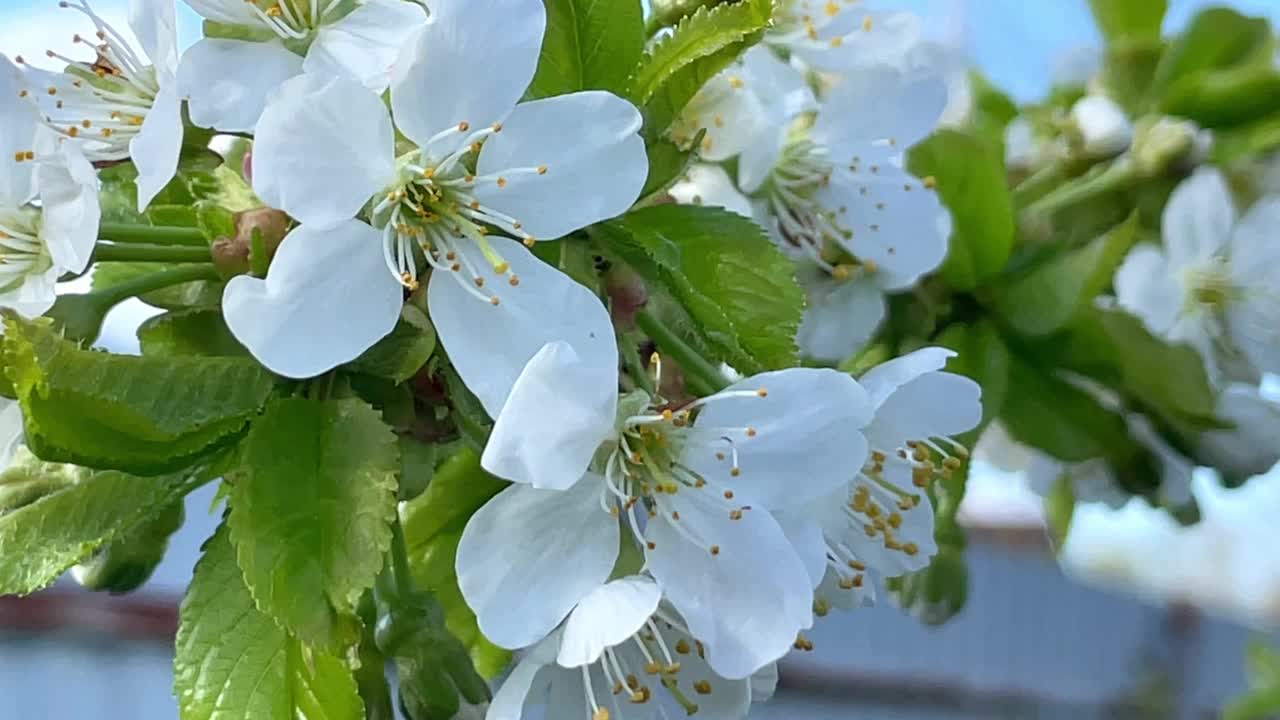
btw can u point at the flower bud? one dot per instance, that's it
(1101, 126)
(234, 256)
(1162, 142)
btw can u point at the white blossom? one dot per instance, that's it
(1214, 283)
(252, 46)
(827, 181)
(838, 35)
(1103, 128)
(48, 204)
(122, 104)
(693, 487)
(327, 153)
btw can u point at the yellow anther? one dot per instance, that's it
(911, 549)
(895, 521)
(736, 82)
(751, 432)
(542, 169)
(652, 668)
(832, 8)
(866, 24)
(837, 41)
(513, 281)
(929, 181)
(502, 182)
(720, 456)
(496, 127)
(530, 242)
(464, 126)
(667, 415)
(735, 472)
(762, 392)
(715, 549)
(702, 687)
(857, 565)
(651, 545)
(495, 300)
(601, 714)
(682, 647)
(821, 607)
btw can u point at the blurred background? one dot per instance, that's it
(1133, 617)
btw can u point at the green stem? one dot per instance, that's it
(152, 234)
(1087, 187)
(635, 368)
(120, 292)
(694, 365)
(1035, 186)
(110, 252)
(400, 574)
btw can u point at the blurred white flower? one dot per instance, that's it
(1103, 128)
(1215, 284)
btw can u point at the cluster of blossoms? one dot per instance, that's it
(1208, 282)
(650, 549)
(812, 149)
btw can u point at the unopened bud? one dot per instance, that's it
(1162, 142)
(1101, 126)
(236, 256)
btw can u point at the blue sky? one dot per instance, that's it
(1014, 41)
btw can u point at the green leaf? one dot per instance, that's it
(311, 510)
(128, 561)
(144, 415)
(1121, 20)
(736, 287)
(589, 45)
(982, 356)
(667, 165)
(403, 352)
(233, 661)
(1233, 144)
(1225, 98)
(1216, 38)
(79, 512)
(970, 178)
(198, 331)
(1046, 297)
(433, 524)
(1114, 347)
(1045, 412)
(705, 42)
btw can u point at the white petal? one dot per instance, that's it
(731, 113)
(558, 413)
(327, 298)
(748, 601)
(805, 441)
(1254, 323)
(470, 64)
(547, 306)
(606, 617)
(866, 38)
(936, 404)
(764, 683)
(884, 379)
(1146, 287)
(1197, 221)
(760, 157)
(365, 43)
(155, 24)
(156, 147)
(728, 699)
(11, 430)
(71, 210)
(879, 104)
(18, 122)
(225, 11)
(710, 186)
(805, 535)
(227, 82)
(324, 146)
(557, 174)
(841, 317)
(529, 556)
(34, 295)
(897, 223)
(1248, 448)
(1254, 253)
(782, 86)
(526, 679)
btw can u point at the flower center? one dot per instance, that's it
(292, 19)
(1210, 285)
(647, 466)
(102, 103)
(433, 207)
(653, 653)
(808, 226)
(21, 251)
